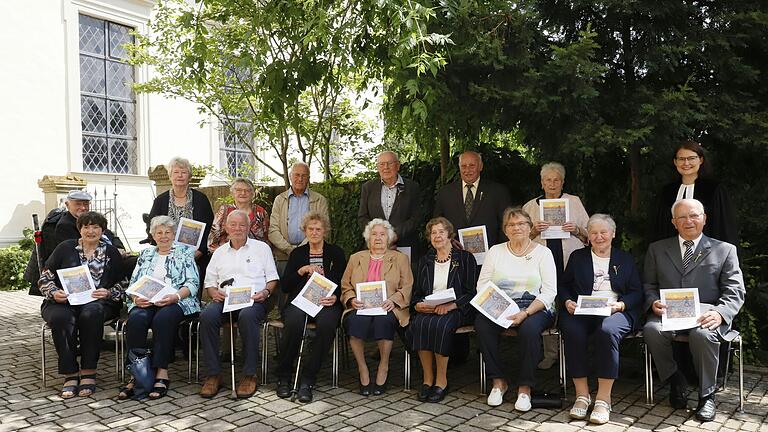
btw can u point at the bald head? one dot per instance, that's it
(470, 166)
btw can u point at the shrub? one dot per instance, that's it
(13, 261)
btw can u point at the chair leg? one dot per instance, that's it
(189, 352)
(122, 346)
(197, 353)
(741, 374)
(42, 351)
(483, 384)
(648, 375)
(563, 377)
(407, 369)
(335, 365)
(264, 351)
(727, 366)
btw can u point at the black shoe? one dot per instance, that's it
(424, 392)
(305, 393)
(678, 391)
(379, 390)
(438, 394)
(705, 412)
(365, 390)
(283, 389)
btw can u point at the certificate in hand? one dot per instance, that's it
(150, 289)
(440, 297)
(238, 298)
(556, 212)
(683, 308)
(495, 304)
(475, 241)
(373, 295)
(592, 305)
(190, 233)
(78, 284)
(315, 289)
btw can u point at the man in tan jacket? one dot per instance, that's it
(289, 209)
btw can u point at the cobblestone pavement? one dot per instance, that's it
(25, 405)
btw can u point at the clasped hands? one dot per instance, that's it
(218, 295)
(388, 304)
(709, 320)
(440, 309)
(570, 306)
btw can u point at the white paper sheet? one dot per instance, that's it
(78, 284)
(683, 308)
(308, 299)
(593, 305)
(495, 304)
(440, 297)
(373, 294)
(475, 241)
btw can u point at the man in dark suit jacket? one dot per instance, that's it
(393, 198)
(692, 260)
(488, 200)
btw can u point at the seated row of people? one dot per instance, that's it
(523, 269)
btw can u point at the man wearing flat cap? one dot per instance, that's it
(77, 203)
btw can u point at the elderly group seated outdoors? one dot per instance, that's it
(277, 254)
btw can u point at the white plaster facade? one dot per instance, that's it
(40, 130)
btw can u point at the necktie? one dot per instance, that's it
(688, 253)
(469, 200)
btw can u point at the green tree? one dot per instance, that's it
(274, 73)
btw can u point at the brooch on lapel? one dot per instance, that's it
(454, 265)
(696, 259)
(616, 270)
(248, 260)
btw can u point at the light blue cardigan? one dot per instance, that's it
(180, 268)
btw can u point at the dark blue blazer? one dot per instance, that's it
(625, 280)
(462, 277)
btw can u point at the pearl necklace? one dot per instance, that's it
(509, 246)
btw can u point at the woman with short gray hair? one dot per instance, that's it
(175, 265)
(243, 193)
(181, 201)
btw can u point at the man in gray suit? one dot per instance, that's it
(692, 260)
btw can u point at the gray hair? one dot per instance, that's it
(553, 166)
(238, 212)
(696, 204)
(313, 216)
(391, 235)
(472, 152)
(397, 159)
(161, 221)
(298, 164)
(604, 218)
(244, 181)
(180, 162)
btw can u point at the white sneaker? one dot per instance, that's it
(496, 397)
(523, 403)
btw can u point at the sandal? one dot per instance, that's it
(85, 390)
(70, 391)
(601, 417)
(160, 390)
(579, 413)
(127, 391)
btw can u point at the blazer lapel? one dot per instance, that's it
(389, 260)
(701, 252)
(431, 276)
(478, 199)
(673, 252)
(460, 192)
(376, 197)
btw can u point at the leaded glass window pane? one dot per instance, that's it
(91, 35)
(235, 152)
(107, 100)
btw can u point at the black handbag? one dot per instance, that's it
(140, 367)
(546, 400)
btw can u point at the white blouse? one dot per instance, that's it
(441, 276)
(533, 273)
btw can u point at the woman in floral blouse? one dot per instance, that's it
(243, 192)
(174, 264)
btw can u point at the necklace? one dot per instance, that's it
(378, 257)
(509, 246)
(446, 259)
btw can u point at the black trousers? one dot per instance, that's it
(164, 322)
(73, 326)
(529, 345)
(327, 321)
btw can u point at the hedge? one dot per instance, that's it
(13, 261)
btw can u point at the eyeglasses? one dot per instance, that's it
(687, 159)
(692, 216)
(518, 225)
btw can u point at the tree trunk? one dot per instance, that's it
(634, 172)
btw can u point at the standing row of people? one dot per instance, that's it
(530, 270)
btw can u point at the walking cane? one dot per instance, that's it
(224, 284)
(38, 241)
(295, 390)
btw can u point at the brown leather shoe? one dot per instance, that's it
(211, 386)
(247, 386)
